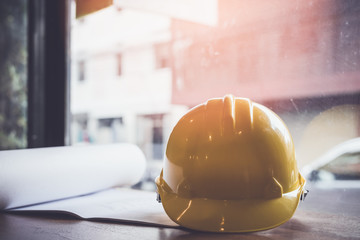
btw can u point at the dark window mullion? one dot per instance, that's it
(48, 72)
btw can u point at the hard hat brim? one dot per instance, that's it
(245, 215)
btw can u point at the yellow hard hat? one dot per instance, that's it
(230, 167)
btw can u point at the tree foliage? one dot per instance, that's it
(13, 63)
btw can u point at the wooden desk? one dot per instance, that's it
(325, 214)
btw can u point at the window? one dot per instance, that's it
(163, 55)
(81, 70)
(34, 73)
(119, 64)
(299, 59)
(13, 74)
(158, 137)
(110, 130)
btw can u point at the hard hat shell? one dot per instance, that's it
(230, 167)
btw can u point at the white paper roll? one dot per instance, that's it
(32, 176)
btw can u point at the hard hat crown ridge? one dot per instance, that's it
(226, 155)
(229, 120)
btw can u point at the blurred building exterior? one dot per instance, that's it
(135, 72)
(121, 79)
(272, 50)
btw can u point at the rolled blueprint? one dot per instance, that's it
(33, 176)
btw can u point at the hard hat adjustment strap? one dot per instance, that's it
(158, 198)
(304, 194)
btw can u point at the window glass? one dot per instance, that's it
(299, 58)
(13, 69)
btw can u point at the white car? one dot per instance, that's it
(337, 168)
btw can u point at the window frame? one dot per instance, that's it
(48, 73)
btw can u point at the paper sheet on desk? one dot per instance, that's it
(82, 181)
(33, 176)
(118, 205)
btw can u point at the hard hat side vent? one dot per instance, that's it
(273, 189)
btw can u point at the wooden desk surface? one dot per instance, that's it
(325, 214)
